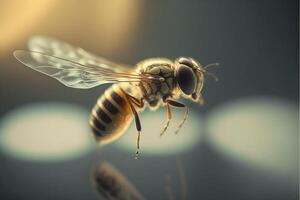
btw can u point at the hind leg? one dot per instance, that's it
(139, 103)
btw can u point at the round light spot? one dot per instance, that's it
(170, 143)
(52, 131)
(262, 131)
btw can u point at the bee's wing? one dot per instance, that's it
(57, 48)
(73, 73)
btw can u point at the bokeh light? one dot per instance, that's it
(263, 131)
(48, 131)
(152, 124)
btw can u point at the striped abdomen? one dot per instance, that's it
(111, 115)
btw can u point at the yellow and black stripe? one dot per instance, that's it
(106, 112)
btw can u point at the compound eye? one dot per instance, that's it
(186, 62)
(186, 79)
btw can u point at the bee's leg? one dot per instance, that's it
(169, 117)
(137, 102)
(140, 104)
(179, 105)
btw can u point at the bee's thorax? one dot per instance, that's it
(154, 92)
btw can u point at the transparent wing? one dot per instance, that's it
(62, 49)
(74, 74)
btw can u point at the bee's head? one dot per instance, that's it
(189, 75)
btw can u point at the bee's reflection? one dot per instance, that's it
(111, 183)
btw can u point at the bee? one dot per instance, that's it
(151, 83)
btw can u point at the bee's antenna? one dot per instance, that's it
(209, 73)
(211, 65)
(212, 75)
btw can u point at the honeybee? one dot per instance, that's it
(152, 82)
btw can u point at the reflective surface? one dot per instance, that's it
(241, 144)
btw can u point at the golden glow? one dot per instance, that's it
(98, 24)
(19, 18)
(115, 22)
(46, 132)
(169, 143)
(263, 132)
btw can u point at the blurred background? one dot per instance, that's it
(241, 144)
